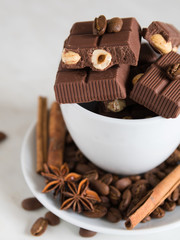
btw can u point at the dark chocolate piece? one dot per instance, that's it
(147, 54)
(156, 91)
(167, 31)
(110, 49)
(85, 85)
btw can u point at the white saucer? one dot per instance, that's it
(36, 184)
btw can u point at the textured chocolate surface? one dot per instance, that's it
(156, 91)
(168, 31)
(124, 46)
(147, 54)
(85, 85)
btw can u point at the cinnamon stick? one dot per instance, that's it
(41, 134)
(57, 133)
(154, 198)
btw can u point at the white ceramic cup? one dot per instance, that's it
(122, 146)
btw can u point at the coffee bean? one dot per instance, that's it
(123, 183)
(91, 175)
(113, 215)
(2, 136)
(126, 199)
(82, 168)
(86, 233)
(160, 174)
(178, 148)
(174, 158)
(52, 219)
(135, 178)
(173, 71)
(31, 204)
(99, 212)
(39, 227)
(105, 201)
(174, 195)
(99, 25)
(158, 213)
(146, 219)
(114, 25)
(152, 179)
(169, 206)
(114, 195)
(139, 188)
(107, 178)
(99, 187)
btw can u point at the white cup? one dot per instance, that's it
(122, 146)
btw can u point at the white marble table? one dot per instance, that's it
(31, 38)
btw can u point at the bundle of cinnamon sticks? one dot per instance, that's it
(50, 135)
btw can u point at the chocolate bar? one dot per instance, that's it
(157, 90)
(85, 85)
(147, 54)
(163, 37)
(83, 49)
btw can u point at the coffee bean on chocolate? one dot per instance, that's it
(99, 212)
(52, 219)
(39, 227)
(114, 25)
(99, 25)
(2, 136)
(100, 187)
(123, 183)
(169, 206)
(114, 215)
(173, 71)
(158, 213)
(31, 204)
(86, 233)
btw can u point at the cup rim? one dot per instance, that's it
(113, 120)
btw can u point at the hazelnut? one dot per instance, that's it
(101, 59)
(175, 49)
(136, 78)
(70, 57)
(115, 106)
(160, 44)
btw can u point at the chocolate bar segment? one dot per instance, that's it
(156, 91)
(85, 85)
(169, 33)
(120, 48)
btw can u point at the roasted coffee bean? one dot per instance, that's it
(113, 215)
(69, 139)
(100, 187)
(152, 179)
(132, 205)
(31, 204)
(114, 25)
(173, 71)
(91, 175)
(169, 169)
(39, 227)
(139, 188)
(162, 166)
(114, 195)
(99, 25)
(82, 168)
(86, 233)
(160, 174)
(52, 219)
(123, 183)
(99, 212)
(169, 206)
(158, 213)
(107, 178)
(174, 195)
(3, 136)
(126, 199)
(135, 178)
(146, 219)
(174, 158)
(105, 201)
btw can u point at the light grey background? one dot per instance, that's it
(31, 39)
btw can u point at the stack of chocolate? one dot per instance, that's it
(104, 61)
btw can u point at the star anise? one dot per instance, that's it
(79, 197)
(56, 178)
